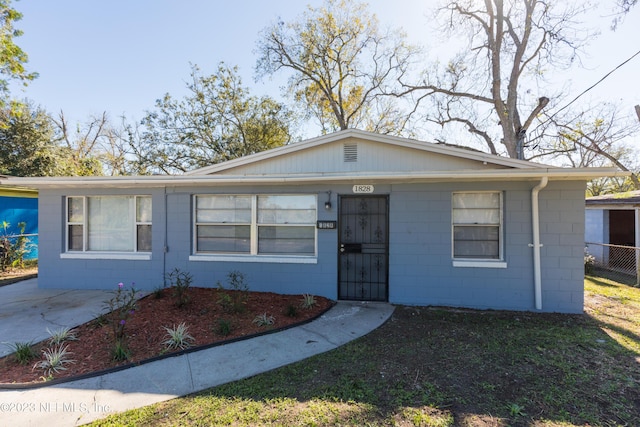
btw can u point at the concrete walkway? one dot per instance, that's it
(82, 401)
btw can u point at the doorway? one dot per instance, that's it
(363, 248)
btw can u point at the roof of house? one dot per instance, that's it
(16, 191)
(616, 199)
(346, 156)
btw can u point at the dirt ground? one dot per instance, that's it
(15, 275)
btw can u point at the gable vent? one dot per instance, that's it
(350, 152)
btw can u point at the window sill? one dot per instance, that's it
(107, 255)
(480, 263)
(276, 259)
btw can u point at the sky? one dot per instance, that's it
(119, 56)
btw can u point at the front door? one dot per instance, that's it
(363, 248)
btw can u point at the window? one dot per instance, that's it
(286, 225)
(109, 224)
(223, 224)
(477, 224)
(255, 225)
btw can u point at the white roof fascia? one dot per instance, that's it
(620, 207)
(575, 174)
(394, 140)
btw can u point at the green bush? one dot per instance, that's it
(13, 248)
(589, 262)
(234, 301)
(24, 352)
(224, 327)
(291, 311)
(180, 281)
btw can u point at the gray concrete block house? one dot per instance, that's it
(349, 216)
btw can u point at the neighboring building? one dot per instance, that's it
(350, 215)
(613, 220)
(20, 205)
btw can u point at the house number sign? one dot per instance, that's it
(327, 225)
(363, 188)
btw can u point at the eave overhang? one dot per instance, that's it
(553, 174)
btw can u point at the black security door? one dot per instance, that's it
(363, 248)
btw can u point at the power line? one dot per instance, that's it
(596, 83)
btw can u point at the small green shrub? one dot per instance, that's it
(225, 301)
(120, 351)
(23, 352)
(54, 361)
(291, 310)
(58, 336)
(100, 321)
(178, 337)
(236, 300)
(158, 292)
(308, 301)
(180, 281)
(264, 320)
(589, 262)
(224, 327)
(118, 309)
(516, 410)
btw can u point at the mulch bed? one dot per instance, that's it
(145, 329)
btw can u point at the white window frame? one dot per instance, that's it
(480, 262)
(137, 223)
(85, 253)
(253, 255)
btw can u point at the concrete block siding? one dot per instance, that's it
(421, 270)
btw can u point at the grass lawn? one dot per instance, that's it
(442, 367)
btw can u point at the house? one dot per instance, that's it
(350, 215)
(20, 205)
(612, 221)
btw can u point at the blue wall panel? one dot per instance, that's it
(21, 209)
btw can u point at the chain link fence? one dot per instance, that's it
(619, 263)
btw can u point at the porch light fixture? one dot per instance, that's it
(327, 204)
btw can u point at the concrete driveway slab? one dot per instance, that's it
(27, 311)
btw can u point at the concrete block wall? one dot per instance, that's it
(562, 230)
(287, 278)
(421, 271)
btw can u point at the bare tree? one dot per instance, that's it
(597, 136)
(621, 8)
(490, 87)
(343, 66)
(94, 147)
(117, 158)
